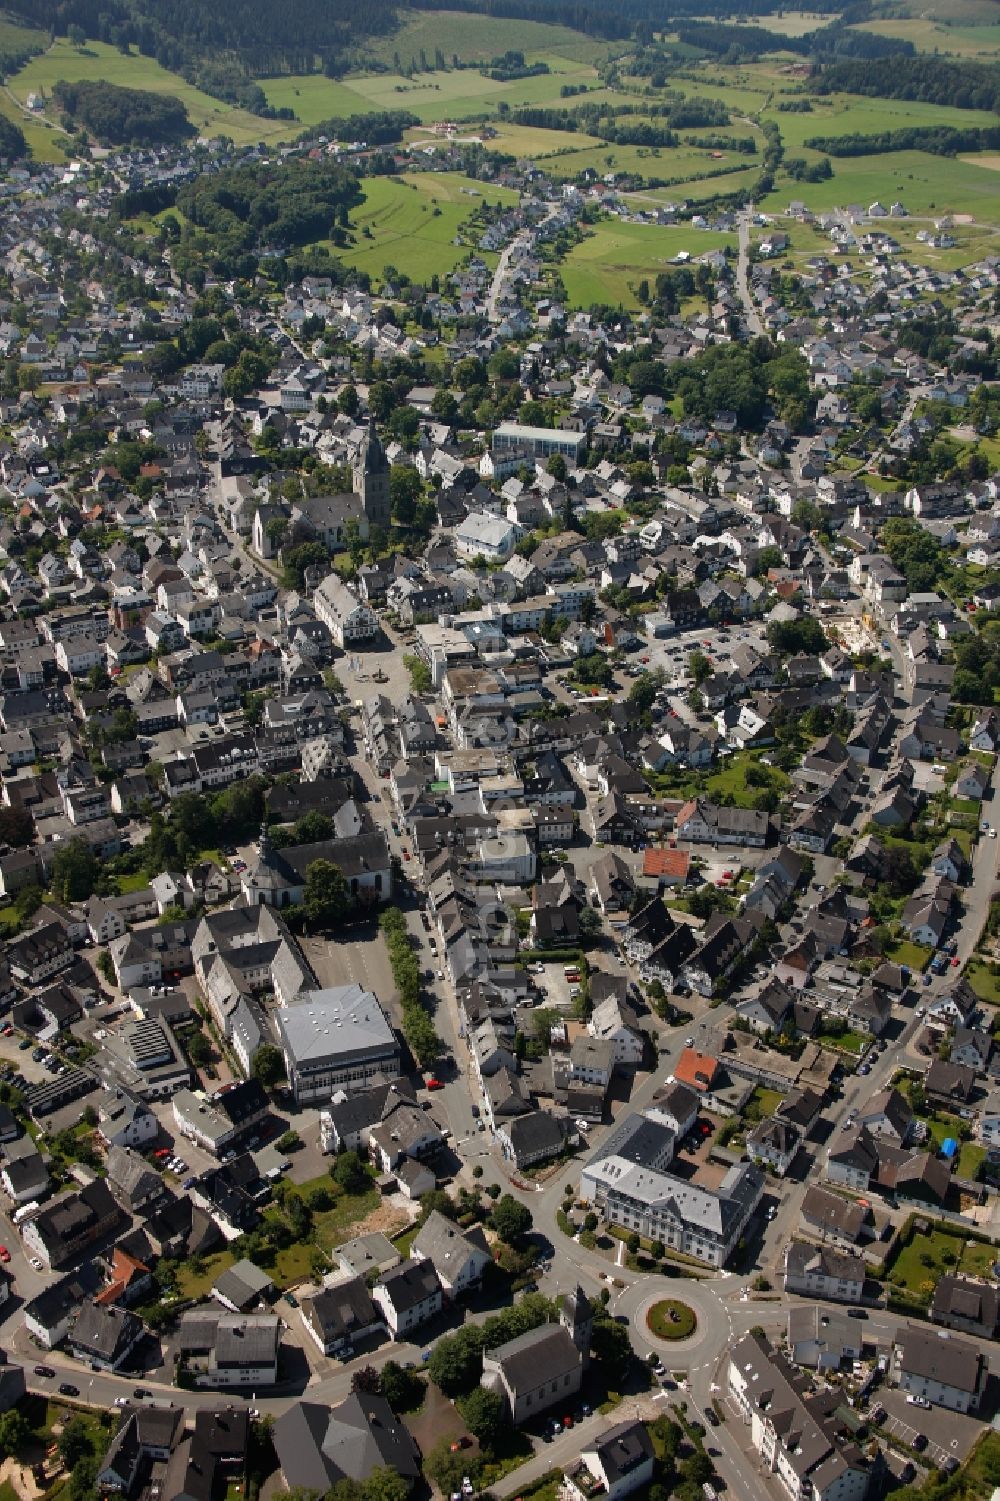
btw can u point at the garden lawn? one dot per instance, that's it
(919, 1265)
(732, 779)
(985, 984)
(850, 1042)
(766, 1101)
(331, 1227)
(192, 1283)
(971, 1157)
(913, 955)
(928, 1257)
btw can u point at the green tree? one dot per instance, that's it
(385, 1485)
(486, 1415)
(268, 1065)
(14, 1432)
(402, 1389)
(610, 1344)
(75, 869)
(327, 898)
(349, 1172)
(456, 1362)
(75, 1442)
(405, 489)
(420, 673)
(511, 1220)
(556, 466)
(313, 828)
(199, 1049)
(699, 667)
(643, 691)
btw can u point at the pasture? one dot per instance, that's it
(45, 142)
(981, 43)
(473, 38)
(609, 264)
(927, 186)
(98, 63)
(413, 223)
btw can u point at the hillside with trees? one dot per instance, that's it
(123, 117)
(12, 143)
(285, 205)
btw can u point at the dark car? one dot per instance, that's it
(919, 1442)
(67, 1389)
(950, 1465)
(44, 1370)
(140, 1391)
(856, 1313)
(711, 1417)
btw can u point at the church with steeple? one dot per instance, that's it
(331, 519)
(371, 480)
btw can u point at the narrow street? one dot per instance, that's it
(743, 271)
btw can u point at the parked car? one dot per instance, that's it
(44, 1370)
(67, 1389)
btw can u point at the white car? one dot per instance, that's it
(36, 1262)
(912, 1401)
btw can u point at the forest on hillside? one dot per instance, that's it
(117, 116)
(12, 143)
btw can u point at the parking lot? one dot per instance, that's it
(948, 1434)
(361, 960)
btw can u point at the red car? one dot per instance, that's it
(162, 1152)
(4, 1254)
(434, 1084)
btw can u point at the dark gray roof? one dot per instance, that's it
(952, 1362)
(316, 1447)
(542, 1355)
(410, 1284)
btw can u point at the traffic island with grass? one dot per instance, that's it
(671, 1319)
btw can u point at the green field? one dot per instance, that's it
(414, 222)
(519, 140)
(980, 42)
(474, 37)
(17, 38)
(460, 95)
(99, 63)
(44, 142)
(927, 186)
(608, 266)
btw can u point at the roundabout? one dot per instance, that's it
(670, 1319)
